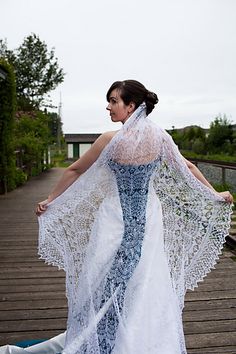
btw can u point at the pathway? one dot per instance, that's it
(32, 294)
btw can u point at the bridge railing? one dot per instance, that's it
(218, 172)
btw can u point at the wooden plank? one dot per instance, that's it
(29, 325)
(27, 224)
(219, 284)
(30, 273)
(32, 251)
(217, 350)
(8, 249)
(21, 315)
(32, 281)
(14, 234)
(225, 265)
(17, 258)
(211, 295)
(220, 273)
(217, 339)
(9, 289)
(33, 304)
(37, 270)
(13, 243)
(204, 315)
(209, 304)
(23, 264)
(33, 295)
(208, 327)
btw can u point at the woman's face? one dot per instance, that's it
(119, 112)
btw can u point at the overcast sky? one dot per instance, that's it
(184, 50)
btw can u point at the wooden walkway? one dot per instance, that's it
(32, 294)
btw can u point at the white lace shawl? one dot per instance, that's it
(195, 219)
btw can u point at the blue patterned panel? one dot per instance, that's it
(132, 182)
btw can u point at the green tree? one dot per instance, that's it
(32, 137)
(5, 53)
(191, 138)
(200, 134)
(37, 72)
(55, 126)
(177, 136)
(220, 138)
(199, 146)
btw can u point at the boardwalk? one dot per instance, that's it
(32, 294)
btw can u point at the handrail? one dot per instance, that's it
(223, 164)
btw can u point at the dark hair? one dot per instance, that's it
(134, 91)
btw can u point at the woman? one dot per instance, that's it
(138, 228)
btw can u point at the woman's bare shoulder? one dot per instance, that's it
(107, 136)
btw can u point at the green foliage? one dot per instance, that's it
(37, 71)
(220, 139)
(32, 137)
(62, 164)
(7, 111)
(198, 146)
(220, 136)
(5, 54)
(25, 136)
(20, 177)
(222, 187)
(190, 138)
(55, 126)
(215, 157)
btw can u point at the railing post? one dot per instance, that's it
(223, 174)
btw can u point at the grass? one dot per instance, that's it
(215, 157)
(62, 164)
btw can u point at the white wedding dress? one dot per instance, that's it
(148, 318)
(133, 234)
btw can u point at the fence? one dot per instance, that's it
(218, 172)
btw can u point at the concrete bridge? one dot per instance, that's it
(32, 294)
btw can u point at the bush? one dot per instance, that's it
(20, 177)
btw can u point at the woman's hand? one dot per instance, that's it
(227, 196)
(41, 207)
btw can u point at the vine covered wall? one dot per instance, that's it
(7, 112)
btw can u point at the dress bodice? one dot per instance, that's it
(133, 182)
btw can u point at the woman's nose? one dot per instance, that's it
(108, 107)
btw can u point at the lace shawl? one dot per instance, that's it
(195, 219)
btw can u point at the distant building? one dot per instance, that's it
(78, 144)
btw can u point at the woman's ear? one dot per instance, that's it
(131, 107)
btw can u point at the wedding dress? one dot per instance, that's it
(133, 233)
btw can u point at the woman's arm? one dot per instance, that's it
(76, 169)
(195, 171)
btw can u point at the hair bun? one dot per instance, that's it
(151, 100)
(134, 91)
